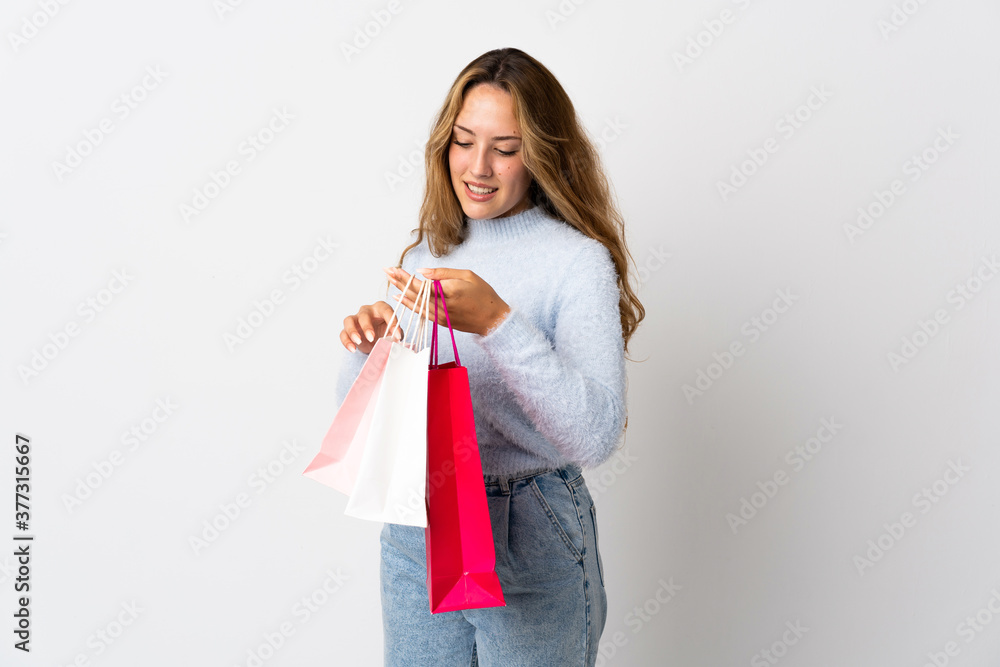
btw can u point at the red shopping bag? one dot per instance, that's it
(461, 562)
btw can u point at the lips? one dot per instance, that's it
(480, 189)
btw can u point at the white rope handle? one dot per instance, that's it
(425, 313)
(421, 305)
(409, 322)
(388, 329)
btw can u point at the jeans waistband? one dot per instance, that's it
(568, 472)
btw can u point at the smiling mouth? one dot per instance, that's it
(480, 191)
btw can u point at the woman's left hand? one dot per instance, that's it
(473, 306)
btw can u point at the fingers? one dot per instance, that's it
(345, 337)
(348, 333)
(362, 330)
(365, 323)
(381, 316)
(446, 274)
(399, 278)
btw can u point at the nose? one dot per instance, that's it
(481, 166)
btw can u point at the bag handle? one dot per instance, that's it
(393, 329)
(425, 316)
(423, 295)
(434, 341)
(422, 312)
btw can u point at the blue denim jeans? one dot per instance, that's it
(550, 570)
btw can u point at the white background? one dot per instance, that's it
(672, 131)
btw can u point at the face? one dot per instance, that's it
(485, 154)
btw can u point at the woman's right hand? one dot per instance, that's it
(362, 330)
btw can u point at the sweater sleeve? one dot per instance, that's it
(573, 387)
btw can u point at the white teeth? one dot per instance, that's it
(481, 191)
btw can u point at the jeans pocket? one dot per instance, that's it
(597, 543)
(558, 504)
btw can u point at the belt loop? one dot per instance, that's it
(504, 485)
(570, 471)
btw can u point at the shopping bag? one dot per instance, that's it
(391, 481)
(461, 562)
(337, 462)
(336, 465)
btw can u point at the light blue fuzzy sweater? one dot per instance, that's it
(547, 382)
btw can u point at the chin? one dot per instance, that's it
(475, 209)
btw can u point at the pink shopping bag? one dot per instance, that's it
(391, 486)
(339, 458)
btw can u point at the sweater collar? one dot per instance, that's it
(505, 229)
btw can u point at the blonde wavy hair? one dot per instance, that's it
(568, 181)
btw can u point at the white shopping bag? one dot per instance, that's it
(391, 483)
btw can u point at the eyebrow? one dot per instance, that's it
(494, 138)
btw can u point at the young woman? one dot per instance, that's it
(519, 225)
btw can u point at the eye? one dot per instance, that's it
(466, 145)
